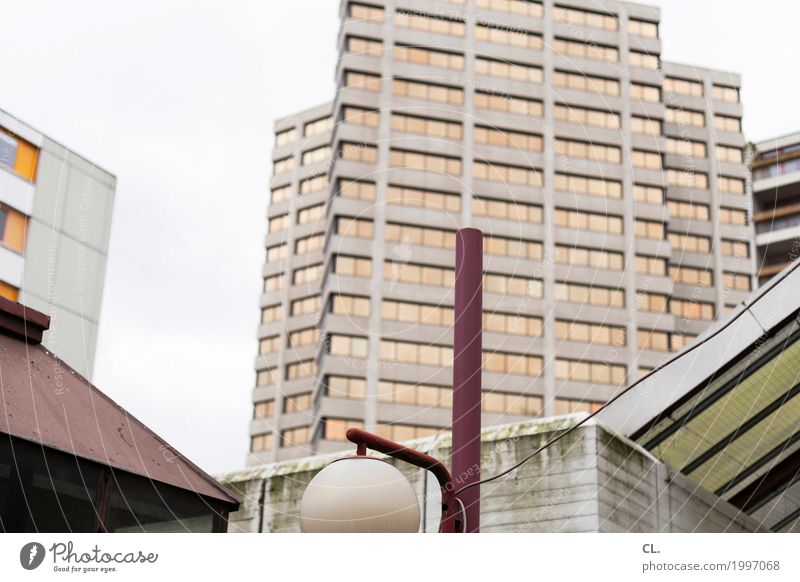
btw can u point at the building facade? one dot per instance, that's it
(610, 188)
(776, 201)
(55, 221)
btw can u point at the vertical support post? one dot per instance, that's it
(467, 364)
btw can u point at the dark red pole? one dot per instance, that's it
(467, 363)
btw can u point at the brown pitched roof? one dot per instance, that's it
(45, 401)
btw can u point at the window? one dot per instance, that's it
(735, 248)
(584, 116)
(725, 123)
(429, 23)
(318, 126)
(508, 70)
(594, 372)
(519, 7)
(357, 190)
(350, 305)
(415, 394)
(416, 353)
(506, 210)
(653, 340)
(585, 257)
(311, 214)
(267, 377)
(367, 47)
(507, 138)
(568, 406)
(645, 93)
(281, 194)
(404, 432)
(308, 244)
(429, 57)
(511, 37)
(352, 266)
(508, 285)
(643, 60)
(422, 313)
(313, 184)
(428, 91)
(688, 210)
(273, 283)
(496, 172)
(366, 12)
(588, 150)
(282, 165)
(285, 136)
(687, 179)
(507, 363)
(362, 81)
(13, 229)
(361, 116)
(648, 194)
(307, 274)
(651, 266)
(305, 306)
(589, 294)
(347, 345)
(690, 276)
(298, 403)
(593, 333)
(346, 387)
(296, 436)
(646, 125)
(264, 409)
(260, 442)
(648, 229)
(358, 152)
(730, 185)
(728, 94)
(298, 370)
(508, 104)
(729, 154)
(587, 83)
(688, 309)
(277, 223)
(422, 236)
(684, 117)
(683, 87)
(578, 17)
(586, 50)
(652, 302)
(690, 243)
(271, 313)
(738, 281)
(648, 160)
(426, 126)
(685, 147)
(590, 186)
(424, 198)
(418, 274)
(512, 323)
(588, 221)
(732, 216)
(303, 337)
(512, 247)
(317, 155)
(355, 227)
(276, 252)
(425, 162)
(643, 28)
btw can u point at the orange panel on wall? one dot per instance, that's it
(16, 227)
(27, 156)
(8, 291)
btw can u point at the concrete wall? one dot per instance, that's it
(590, 481)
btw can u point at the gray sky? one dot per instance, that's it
(177, 99)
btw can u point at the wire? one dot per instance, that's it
(583, 421)
(463, 515)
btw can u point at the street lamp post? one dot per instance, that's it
(362, 490)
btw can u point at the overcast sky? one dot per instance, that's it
(177, 99)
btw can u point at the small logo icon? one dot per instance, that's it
(31, 555)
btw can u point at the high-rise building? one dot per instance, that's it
(610, 188)
(776, 200)
(55, 220)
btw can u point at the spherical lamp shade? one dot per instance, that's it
(359, 494)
